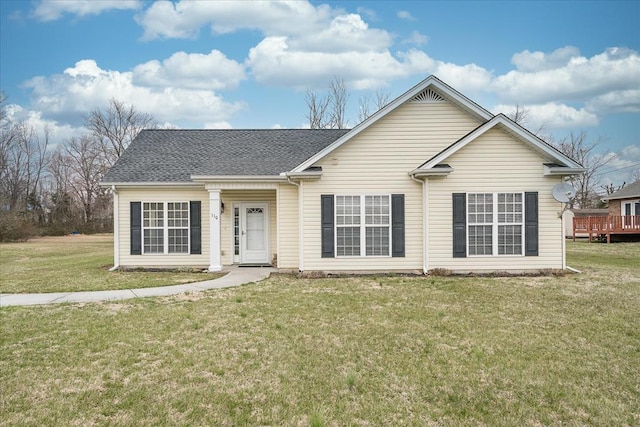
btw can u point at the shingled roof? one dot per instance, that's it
(627, 192)
(174, 155)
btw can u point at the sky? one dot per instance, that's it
(574, 65)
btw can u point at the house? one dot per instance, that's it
(626, 201)
(432, 180)
(623, 221)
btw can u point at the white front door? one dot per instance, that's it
(254, 236)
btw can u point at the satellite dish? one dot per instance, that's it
(563, 192)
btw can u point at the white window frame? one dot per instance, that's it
(496, 224)
(165, 228)
(363, 225)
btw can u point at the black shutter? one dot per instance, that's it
(326, 212)
(459, 225)
(397, 225)
(135, 221)
(531, 224)
(195, 232)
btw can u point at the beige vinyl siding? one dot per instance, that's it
(288, 227)
(229, 197)
(161, 194)
(494, 162)
(377, 161)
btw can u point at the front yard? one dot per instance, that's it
(76, 263)
(349, 351)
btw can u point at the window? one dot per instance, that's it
(495, 223)
(165, 227)
(363, 221)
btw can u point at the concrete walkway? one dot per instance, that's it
(236, 276)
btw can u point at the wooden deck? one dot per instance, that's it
(601, 226)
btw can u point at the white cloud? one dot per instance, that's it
(416, 38)
(622, 166)
(538, 61)
(212, 71)
(620, 101)
(57, 132)
(552, 116)
(86, 86)
(183, 19)
(50, 10)
(565, 76)
(403, 14)
(345, 33)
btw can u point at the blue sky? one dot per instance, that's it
(211, 64)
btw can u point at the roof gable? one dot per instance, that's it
(430, 89)
(560, 161)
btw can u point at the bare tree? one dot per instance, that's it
(520, 115)
(577, 147)
(338, 100)
(115, 127)
(328, 112)
(610, 188)
(22, 160)
(635, 176)
(88, 166)
(365, 109)
(317, 110)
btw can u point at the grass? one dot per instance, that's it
(76, 263)
(349, 351)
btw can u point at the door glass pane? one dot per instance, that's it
(255, 229)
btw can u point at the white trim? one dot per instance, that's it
(277, 227)
(215, 260)
(246, 185)
(433, 172)
(301, 226)
(235, 258)
(362, 225)
(425, 225)
(495, 225)
(562, 171)
(235, 178)
(165, 228)
(266, 223)
(150, 184)
(513, 128)
(116, 228)
(432, 81)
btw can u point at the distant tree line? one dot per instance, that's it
(54, 189)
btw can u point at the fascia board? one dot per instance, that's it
(240, 178)
(149, 184)
(448, 91)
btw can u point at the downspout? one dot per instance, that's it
(425, 231)
(116, 229)
(300, 224)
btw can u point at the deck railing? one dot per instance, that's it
(606, 225)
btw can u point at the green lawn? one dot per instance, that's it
(331, 352)
(75, 263)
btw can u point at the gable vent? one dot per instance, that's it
(428, 95)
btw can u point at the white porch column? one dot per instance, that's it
(215, 261)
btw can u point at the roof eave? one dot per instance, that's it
(431, 172)
(107, 184)
(562, 171)
(237, 178)
(304, 175)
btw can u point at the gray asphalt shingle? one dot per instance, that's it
(174, 155)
